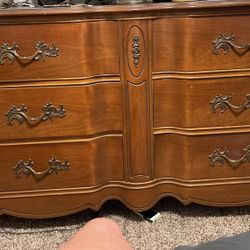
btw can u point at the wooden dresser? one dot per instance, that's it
(132, 102)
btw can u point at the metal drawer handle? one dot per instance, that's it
(226, 43)
(42, 50)
(49, 112)
(221, 157)
(136, 50)
(223, 102)
(27, 168)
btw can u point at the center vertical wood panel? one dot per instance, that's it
(138, 99)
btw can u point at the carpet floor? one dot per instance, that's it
(178, 225)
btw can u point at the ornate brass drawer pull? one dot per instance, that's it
(27, 168)
(136, 50)
(221, 157)
(42, 50)
(19, 114)
(226, 42)
(224, 102)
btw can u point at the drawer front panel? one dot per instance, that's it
(202, 103)
(88, 164)
(187, 44)
(202, 157)
(84, 49)
(88, 109)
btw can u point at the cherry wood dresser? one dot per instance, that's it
(132, 102)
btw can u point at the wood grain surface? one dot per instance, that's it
(92, 163)
(189, 103)
(186, 44)
(137, 83)
(81, 50)
(89, 110)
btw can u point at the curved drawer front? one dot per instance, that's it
(60, 111)
(206, 43)
(62, 165)
(202, 157)
(54, 51)
(202, 103)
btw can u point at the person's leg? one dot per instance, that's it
(98, 234)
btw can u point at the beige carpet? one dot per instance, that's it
(178, 225)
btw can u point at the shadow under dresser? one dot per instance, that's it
(132, 102)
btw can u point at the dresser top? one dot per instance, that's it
(83, 12)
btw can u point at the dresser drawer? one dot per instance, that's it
(56, 51)
(202, 157)
(61, 165)
(37, 112)
(202, 103)
(204, 43)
